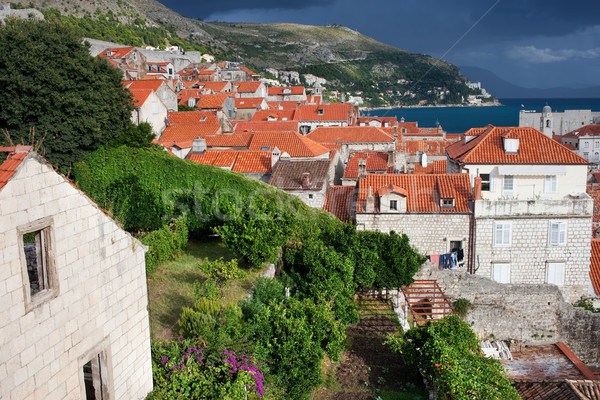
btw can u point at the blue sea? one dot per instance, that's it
(460, 119)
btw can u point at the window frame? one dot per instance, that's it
(562, 230)
(504, 225)
(393, 205)
(45, 225)
(508, 192)
(101, 354)
(486, 182)
(550, 184)
(498, 264)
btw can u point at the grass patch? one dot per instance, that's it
(171, 286)
(408, 395)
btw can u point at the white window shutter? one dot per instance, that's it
(556, 273)
(562, 233)
(492, 182)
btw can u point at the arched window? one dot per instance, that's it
(547, 123)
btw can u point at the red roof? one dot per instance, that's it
(534, 148)
(192, 117)
(212, 100)
(339, 201)
(375, 162)
(424, 191)
(325, 112)
(229, 140)
(248, 71)
(215, 87)
(153, 85)
(437, 167)
(382, 191)
(430, 147)
(243, 87)
(283, 105)
(140, 96)
(411, 128)
(118, 52)
(266, 126)
(242, 161)
(595, 266)
(248, 102)
(292, 143)
(274, 115)
(588, 130)
(349, 134)
(293, 90)
(183, 135)
(9, 167)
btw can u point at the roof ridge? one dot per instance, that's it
(482, 137)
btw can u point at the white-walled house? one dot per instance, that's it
(533, 218)
(586, 141)
(73, 298)
(149, 108)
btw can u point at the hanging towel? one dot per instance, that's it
(435, 258)
(453, 260)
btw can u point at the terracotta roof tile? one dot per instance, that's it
(216, 87)
(229, 140)
(326, 112)
(595, 266)
(140, 96)
(248, 102)
(212, 100)
(248, 71)
(274, 115)
(192, 118)
(153, 85)
(437, 167)
(288, 174)
(349, 134)
(283, 105)
(430, 147)
(423, 190)
(339, 201)
(9, 167)
(534, 148)
(266, 126)
(183, 135)
(375, 162)
(253, 162)
(292, 143)
(293, 90)
(245, 87)
(545, 390)
(587, 130)
(382, 191)
(542, 362)
(118, 52)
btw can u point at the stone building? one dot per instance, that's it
(307, 180)
(149, 108)
(162, 88)
(73, 304)
(311, 117)
(586, 141)
(434, 211)
(559, 123)
(533, 218)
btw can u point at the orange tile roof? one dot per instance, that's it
(145, 84)
(423, 191)
(187, 84)
(595, 266)
(274, 115)
(216, 87)
(118, 52)
(339, 201)
(206, 72)
(375, 162)
(9, 167)
(430, 132)
(393, 121)
(278, 90)
(349, 134)
(430, 147)
(534, 148)
(253, 162)
(183, 135)
(588, 130)
(212, 100)
(382, 191)
(248, 71)
(411, 128)
(229, 140)
(185, 94)
(192, 117)
(248, 102)
(266, 126)
(243, 87)
(437, 167)
(325, 112)
(283, 105)
(140, 96)
(287, 175)
(292, 143)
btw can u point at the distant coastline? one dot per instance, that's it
(494, 104)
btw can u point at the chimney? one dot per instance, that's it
(275, 155)
(362, 167)
(477, 188)
(306, 180)
(199, 145)
(395, 133)
(424, 160)
(370, 208)
(391, 158)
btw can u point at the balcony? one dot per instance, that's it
(579, 205)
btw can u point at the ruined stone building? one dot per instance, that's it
(73, 298)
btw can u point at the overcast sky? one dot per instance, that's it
(531, 43)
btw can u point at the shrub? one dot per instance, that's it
(449, 354)
(164, 244)
(586, 304)
(213, 322)
(188, 369)
(462, 306)
(221, 271)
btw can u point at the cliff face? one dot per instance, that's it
(350, 61)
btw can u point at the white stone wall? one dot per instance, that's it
(429, 233)
(529, 250)
(145, 114)
(318, 196)
(100, 302)
(562, 122)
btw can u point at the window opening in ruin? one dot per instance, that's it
(36, 256)
(94, 379)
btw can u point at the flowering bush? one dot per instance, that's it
(187, 369)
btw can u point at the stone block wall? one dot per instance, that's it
(530, 251)
(535, 314)
(99, 295)
(429, 233)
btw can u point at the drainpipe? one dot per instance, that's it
(471, 264)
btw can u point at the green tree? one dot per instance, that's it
(50, 82)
